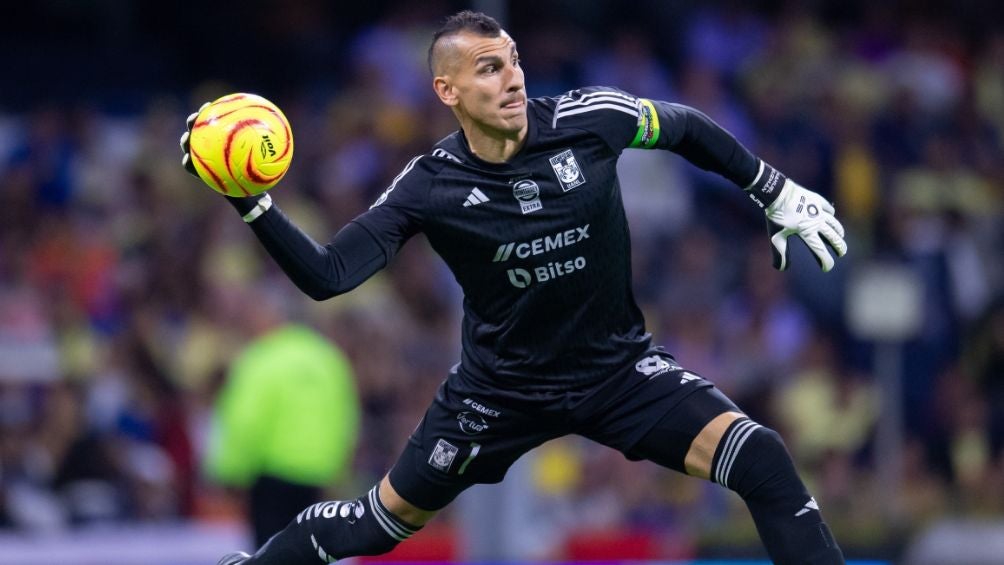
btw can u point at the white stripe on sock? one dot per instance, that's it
(735, 451)
(388, 525)
(407, 530)
(727, 450)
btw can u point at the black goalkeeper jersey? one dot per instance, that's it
(539, 244)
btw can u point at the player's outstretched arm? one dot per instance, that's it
(321, 272)
(791, 209)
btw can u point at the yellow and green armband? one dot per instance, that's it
(648, 125)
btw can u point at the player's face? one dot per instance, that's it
(484, 83)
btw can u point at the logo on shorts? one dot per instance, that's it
(443, 455)
(471, 423)
(566, 168)
(653, 366)
(527, 193)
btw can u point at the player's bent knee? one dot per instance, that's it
(753, 461)
(749, 453)
(702, 450)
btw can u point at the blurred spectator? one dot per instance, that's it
(984, 365)
(829, 419)
(724, 38)
(47, 154)
(629, 63)
(766, 329)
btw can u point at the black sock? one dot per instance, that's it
(753, 461)
(333, 530)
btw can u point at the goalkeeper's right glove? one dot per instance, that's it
(249, 207)
(186, 156)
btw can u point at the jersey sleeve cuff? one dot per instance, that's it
(264, 203)
(766, 187)
(250, 207)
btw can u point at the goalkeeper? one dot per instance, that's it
(524, 205)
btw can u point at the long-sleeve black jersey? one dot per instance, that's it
(539, 244)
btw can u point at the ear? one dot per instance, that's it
(444, 90)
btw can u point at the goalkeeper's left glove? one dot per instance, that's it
(797, 210)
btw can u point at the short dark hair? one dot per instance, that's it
(467, 20)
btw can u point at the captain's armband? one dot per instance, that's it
(648, 126)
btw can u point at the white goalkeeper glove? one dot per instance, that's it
(186, 157)
(798, 210)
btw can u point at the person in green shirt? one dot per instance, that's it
(285, 424)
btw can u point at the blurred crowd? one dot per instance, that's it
(126, 286)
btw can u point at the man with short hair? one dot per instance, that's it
(524, 205)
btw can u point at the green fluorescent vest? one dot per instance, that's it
(289, 409)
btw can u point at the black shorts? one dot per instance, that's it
(470, 435)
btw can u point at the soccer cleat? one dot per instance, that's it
(235, 558)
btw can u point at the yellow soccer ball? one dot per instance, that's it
(241, 144)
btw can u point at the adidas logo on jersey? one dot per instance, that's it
(475, 197)
(687, 376)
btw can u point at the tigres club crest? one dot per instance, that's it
(443, 455)
(566, 168)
